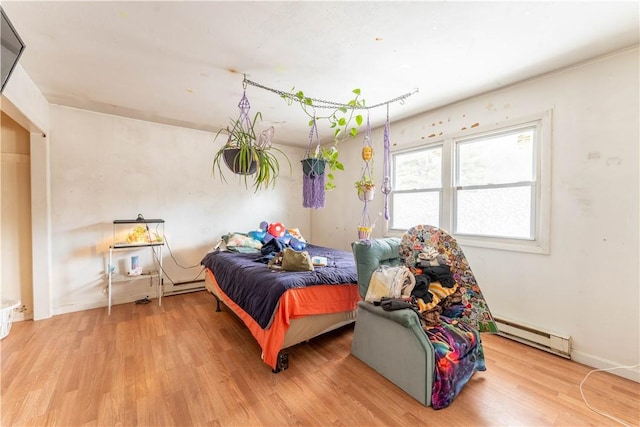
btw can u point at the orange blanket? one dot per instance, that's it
(294, 303)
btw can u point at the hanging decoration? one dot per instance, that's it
(320, 103)
(248, 152)
(386, 166)
(313, 172)
(365, 185)
(339, 120)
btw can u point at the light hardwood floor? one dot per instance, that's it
(184, 364)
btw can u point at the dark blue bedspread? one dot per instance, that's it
(257, 288)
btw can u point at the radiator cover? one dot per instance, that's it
(535, 337)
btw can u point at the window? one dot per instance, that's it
(488, 189)
(417, 183)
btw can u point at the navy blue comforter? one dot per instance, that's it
(257, 288)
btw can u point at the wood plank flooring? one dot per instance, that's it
(183, 364)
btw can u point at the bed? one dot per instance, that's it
(284, 308)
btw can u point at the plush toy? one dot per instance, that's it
(286, 237)
(264, 225)
(276, 229)
(297, 244)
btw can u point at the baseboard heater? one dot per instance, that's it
(535, 337)
(187, 289)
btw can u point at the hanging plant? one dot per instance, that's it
(248, 153)
(365, 185)
(313, 169)
(322, 160)
(366, 189)
(313, 166)
(341, 119)
(364, 232)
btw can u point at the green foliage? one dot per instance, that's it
(243, 138)
(340, 120)
(365, 183)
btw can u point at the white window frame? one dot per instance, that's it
(539, 241)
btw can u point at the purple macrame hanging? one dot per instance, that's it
(364, 227)
(313, 191)
(313, 174)
(386, 181)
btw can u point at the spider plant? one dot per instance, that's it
(249, 154)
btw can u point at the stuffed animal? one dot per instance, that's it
(276, 229)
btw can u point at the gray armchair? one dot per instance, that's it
(391, 342)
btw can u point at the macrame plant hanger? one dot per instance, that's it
(366, 188)
(313, 189)
(386, 166)
(313, 173)
(240, 164)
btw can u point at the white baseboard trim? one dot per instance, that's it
(72, 308)
(598, 363)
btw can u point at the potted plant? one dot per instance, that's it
(364, 232)
(318, 162)
(340, 119)
(249, 154)
(366, 189)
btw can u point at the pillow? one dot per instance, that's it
(295, 233)
(240, 240)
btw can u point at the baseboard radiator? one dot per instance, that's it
(535, 337)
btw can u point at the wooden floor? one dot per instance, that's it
(184, 364)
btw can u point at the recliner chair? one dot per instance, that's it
(394, 343)
(391, 342)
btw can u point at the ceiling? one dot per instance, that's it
(183, 63)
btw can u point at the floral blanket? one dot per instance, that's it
(455, 333)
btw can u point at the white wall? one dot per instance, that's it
(107, 167)
(587, 286)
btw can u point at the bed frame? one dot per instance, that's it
(300, 329)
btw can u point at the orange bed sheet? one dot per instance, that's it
(294, 303)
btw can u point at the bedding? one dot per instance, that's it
(257, 289)
(282, 308)
(458, 354)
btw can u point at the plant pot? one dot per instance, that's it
(366, 195)
(364, 233)
(313, 167)
(234, 162)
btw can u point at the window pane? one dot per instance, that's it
(418, 169)
(411, 209)
(503, 212)
(498, 159)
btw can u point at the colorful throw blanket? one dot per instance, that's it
(455, 332)
(458, 354)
